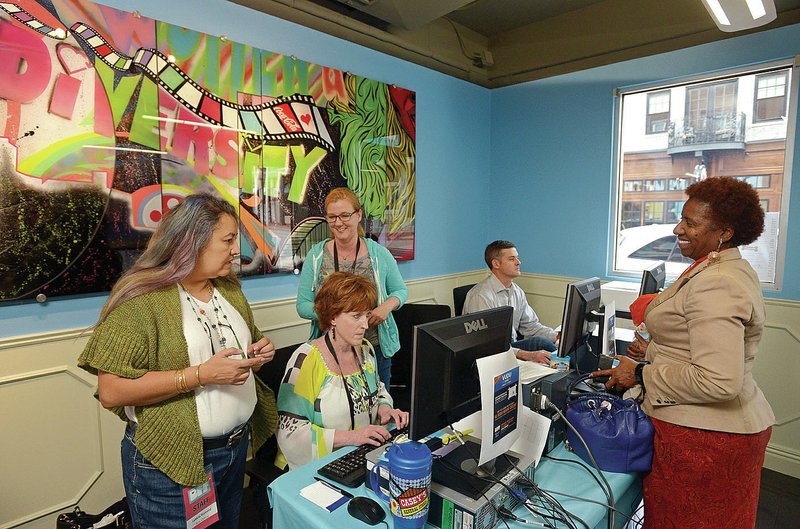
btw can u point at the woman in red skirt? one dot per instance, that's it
(712, 422)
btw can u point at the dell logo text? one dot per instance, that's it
(475, 325)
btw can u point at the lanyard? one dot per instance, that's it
(336, 262)
(344, 381)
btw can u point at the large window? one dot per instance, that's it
(770, 96)
(712, 127)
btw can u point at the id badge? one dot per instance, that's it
(201, 504)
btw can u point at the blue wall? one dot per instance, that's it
(531, 163)
(452, 151)
(552, 147)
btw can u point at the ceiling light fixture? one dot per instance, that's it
(738, 15)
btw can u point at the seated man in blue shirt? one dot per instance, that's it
(499, 290)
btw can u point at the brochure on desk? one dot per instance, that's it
(500, 404)
(497, 393)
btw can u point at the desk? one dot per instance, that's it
(290, 511)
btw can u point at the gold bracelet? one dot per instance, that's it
(197, 374)
(177, 381)
(182, 380)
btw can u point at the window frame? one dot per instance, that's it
(793, 85)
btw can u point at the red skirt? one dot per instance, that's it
(703, 479)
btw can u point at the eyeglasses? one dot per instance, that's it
(344, 217)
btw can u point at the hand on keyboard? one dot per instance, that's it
(349, 469)
(372, 435)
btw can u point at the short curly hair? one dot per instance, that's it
(733, 203)
(343, 292)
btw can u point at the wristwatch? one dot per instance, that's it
(638, 373)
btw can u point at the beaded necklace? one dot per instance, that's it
(209, 324)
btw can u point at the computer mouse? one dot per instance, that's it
(366, 509)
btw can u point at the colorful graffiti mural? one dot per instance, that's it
(108, 119)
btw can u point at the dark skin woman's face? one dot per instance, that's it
(697, 232)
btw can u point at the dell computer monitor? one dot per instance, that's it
(444, 384)
(583, 297)
(653, 278)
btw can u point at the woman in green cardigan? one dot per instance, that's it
(174, 351)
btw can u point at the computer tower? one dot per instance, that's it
(554, 387)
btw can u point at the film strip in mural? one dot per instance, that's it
(286, 118)
(32, 22)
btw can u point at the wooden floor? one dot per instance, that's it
(779, 503)
(778, 506)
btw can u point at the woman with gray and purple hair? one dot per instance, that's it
(173, 351)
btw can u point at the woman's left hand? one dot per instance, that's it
(621, 377)
(263, 350)
(379, 315)
(381, 312)
(386, 414)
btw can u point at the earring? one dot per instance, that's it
(713, 255)
(333, 331)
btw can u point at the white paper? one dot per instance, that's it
(321, 494)
(609, 324)
(533, 434)
(533, 429)
(492, 371)
(532, 371)
(472, 422)
(625, 335)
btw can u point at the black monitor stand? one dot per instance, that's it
(459, 471)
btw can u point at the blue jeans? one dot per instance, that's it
(156, 502)
(384, 367)
(535, 343)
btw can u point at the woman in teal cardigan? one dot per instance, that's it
(349, 251)
(174, 352)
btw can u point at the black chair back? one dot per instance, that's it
(459, 296)
(406, 318)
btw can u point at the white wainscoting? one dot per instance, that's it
(60, 448)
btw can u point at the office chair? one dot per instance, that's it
(459, 296)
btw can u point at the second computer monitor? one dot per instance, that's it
(653, 278)
(444, 384)
(582, 298)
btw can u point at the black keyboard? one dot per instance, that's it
(350, 469)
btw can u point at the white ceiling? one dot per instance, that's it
(502, 42)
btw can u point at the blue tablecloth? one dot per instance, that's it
(291, 511)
